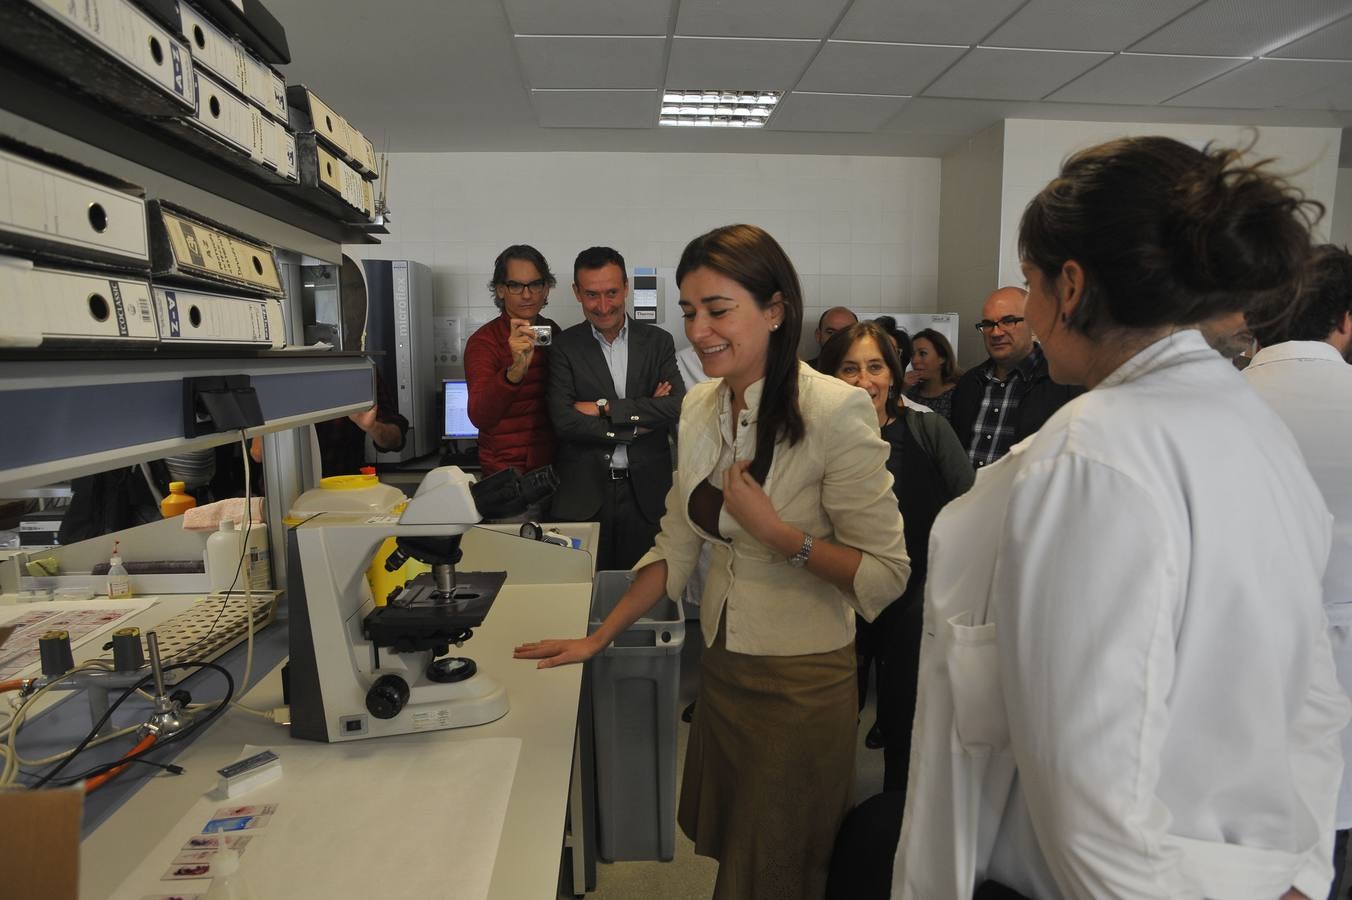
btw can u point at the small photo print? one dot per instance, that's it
(215, 842)
(235, 823)
(188, 870)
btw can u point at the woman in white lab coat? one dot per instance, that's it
(1126, 689)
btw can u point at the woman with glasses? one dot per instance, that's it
(934, 372)
(929, 468)
(1126, 685)
(783, 475)
(507, 366)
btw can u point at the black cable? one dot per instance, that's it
(167, 739)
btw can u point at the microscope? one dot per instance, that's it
(359, 669)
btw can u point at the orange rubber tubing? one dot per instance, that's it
(6, 686)
(99, 781)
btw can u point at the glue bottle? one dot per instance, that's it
(119, 585)
(227, 883)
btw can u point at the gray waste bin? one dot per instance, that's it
(634, 686)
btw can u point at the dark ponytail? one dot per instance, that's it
(1168, 234)
(752, 258)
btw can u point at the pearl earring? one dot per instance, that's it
(774, 327)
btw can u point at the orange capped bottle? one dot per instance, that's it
(177, 501)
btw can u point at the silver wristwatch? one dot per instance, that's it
(799, 559)
(602, 407)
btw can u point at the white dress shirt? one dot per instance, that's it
(616, 353)
(1126, 686)
(1309, 385)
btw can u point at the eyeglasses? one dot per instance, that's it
(1006, 323)
(516, 287)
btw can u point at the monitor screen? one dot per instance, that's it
(455, 417)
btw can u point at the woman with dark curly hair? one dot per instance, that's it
(1126, 685)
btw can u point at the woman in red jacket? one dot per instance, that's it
(506, 368)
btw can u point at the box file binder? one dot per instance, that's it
(193, 317)
(43, 307)
(227, 117)
(238, 132)
(107, 48)
(324, 170)
(312, 114)
(193, 249)
(249, 21)
(231, 64)
(52, 208)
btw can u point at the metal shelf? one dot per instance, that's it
(146, 142)
(75, 414)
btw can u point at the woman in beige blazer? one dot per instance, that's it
(782, 473)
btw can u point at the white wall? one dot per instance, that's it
(969, 233)
(1340, 230)
(863, 232)
(1035, 148)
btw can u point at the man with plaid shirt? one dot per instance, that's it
(1009, 396)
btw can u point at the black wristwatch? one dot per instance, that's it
(603, 408)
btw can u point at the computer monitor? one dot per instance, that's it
(455, 421)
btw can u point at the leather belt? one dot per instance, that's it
(619, 474)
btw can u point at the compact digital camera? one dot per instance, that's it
(541, 335)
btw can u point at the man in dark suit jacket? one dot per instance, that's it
(614, 397)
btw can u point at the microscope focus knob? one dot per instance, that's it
(387, 696)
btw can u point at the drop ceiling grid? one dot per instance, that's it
(1147, 53)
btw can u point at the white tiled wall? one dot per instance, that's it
(863, 232)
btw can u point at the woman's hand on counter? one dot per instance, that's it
(552, 653)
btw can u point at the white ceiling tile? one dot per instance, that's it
(596, 109)
(1332, 42)
(738, 65)
(966, 117)
(588, 16)
(855, 67)
(834, 112)
(1266, 83)
(924, 21)
(1144, 79)
(1085, 24)
(591, 62)
(995, 74)
(1336, 95)
(758, 18)
(1241, 27)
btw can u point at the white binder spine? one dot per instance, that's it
(123, 31)
(40, 203)
(46, 306)
(187, 316)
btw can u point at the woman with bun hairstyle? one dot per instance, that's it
(783, 475)
(1126, 687)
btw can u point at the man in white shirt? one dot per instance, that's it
(1302, 371)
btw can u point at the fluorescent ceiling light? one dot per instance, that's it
(716, 109)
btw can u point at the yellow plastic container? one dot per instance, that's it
(177, 501)
(361, 494)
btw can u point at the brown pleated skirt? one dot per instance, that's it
(769, 770)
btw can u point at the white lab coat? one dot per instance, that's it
(1309, 385)
(1126, 688)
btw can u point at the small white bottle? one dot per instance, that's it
(119, 584)
(257, 563)
(226, 882)
(225, 571)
